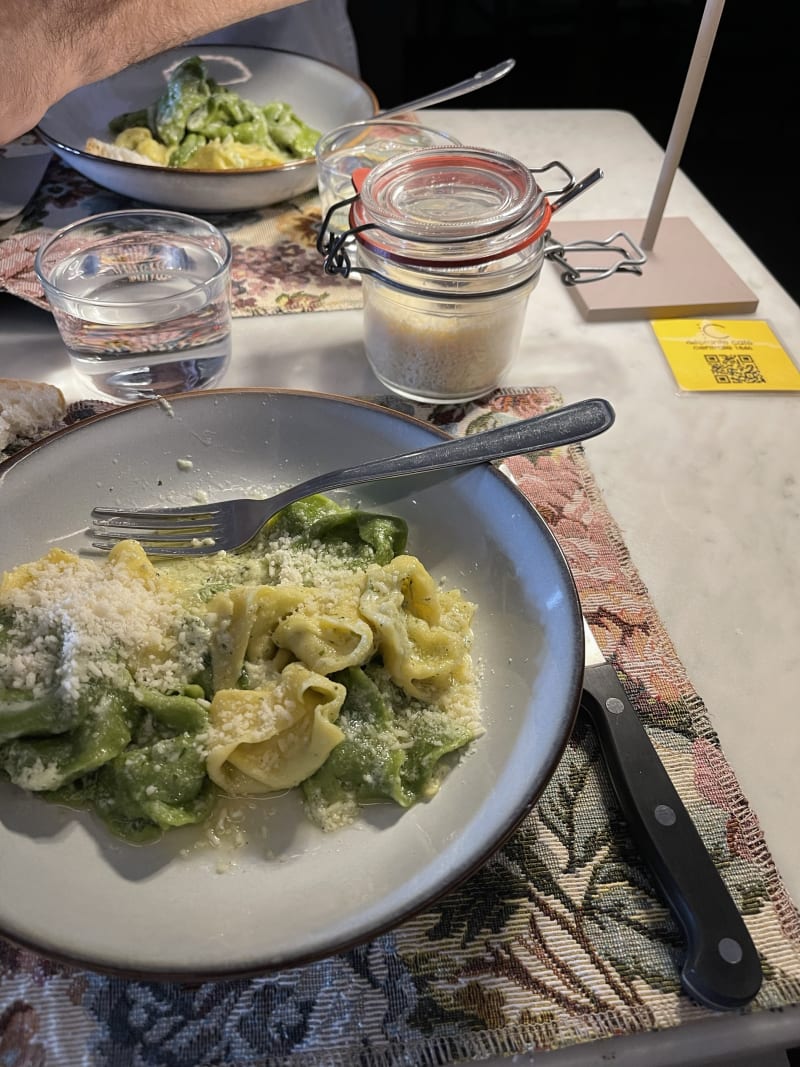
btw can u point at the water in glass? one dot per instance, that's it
(145, 314)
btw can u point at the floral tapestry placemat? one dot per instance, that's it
(276, 267)
(561, 938)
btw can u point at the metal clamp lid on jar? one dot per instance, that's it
(458, 207)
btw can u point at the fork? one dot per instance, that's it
(202, 529)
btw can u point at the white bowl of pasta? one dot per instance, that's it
(370, 698)
(206, 128)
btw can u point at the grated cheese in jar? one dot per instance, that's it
(438, 350)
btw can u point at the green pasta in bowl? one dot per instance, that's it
(206, 129)
(199, 124)
(324, 656)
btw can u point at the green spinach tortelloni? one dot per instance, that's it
(196, 122)
(322, 656)
(391, 750)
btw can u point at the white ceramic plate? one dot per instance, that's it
(322, 95)
(180, 908)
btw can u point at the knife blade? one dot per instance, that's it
(721, 969)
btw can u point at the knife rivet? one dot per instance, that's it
(615, 706)
(730, 950)
(664, 814)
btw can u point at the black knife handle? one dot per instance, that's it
(722, 968)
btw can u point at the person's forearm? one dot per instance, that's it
(50, 47)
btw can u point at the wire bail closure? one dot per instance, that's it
(631, 258)
(337, 261)
(335, 247)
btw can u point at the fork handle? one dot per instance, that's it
(468, 85)
(565, 426)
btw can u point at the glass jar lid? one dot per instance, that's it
(463, 204)
(448, 193)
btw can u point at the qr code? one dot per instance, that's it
(735, 370)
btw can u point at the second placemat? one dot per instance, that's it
(276, 267)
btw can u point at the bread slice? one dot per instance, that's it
(28, 410)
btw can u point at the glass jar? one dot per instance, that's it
(450, 245)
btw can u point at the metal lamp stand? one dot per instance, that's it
(684, 275)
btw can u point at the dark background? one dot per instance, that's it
(630, 55)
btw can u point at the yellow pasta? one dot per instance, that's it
(232, 155)
(274, 737)
(327, 643)
(243, 622)
(421, 656)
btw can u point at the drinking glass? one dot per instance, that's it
(142, 301)
(364, 144)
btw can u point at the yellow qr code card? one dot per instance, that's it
(735, 354)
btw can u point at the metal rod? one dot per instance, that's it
(576, 190)
(683, 118)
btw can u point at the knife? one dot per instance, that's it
(721, 969)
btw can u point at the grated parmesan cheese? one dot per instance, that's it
(77, 620)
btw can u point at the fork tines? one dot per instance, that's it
(160, 516)
(154, 526)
